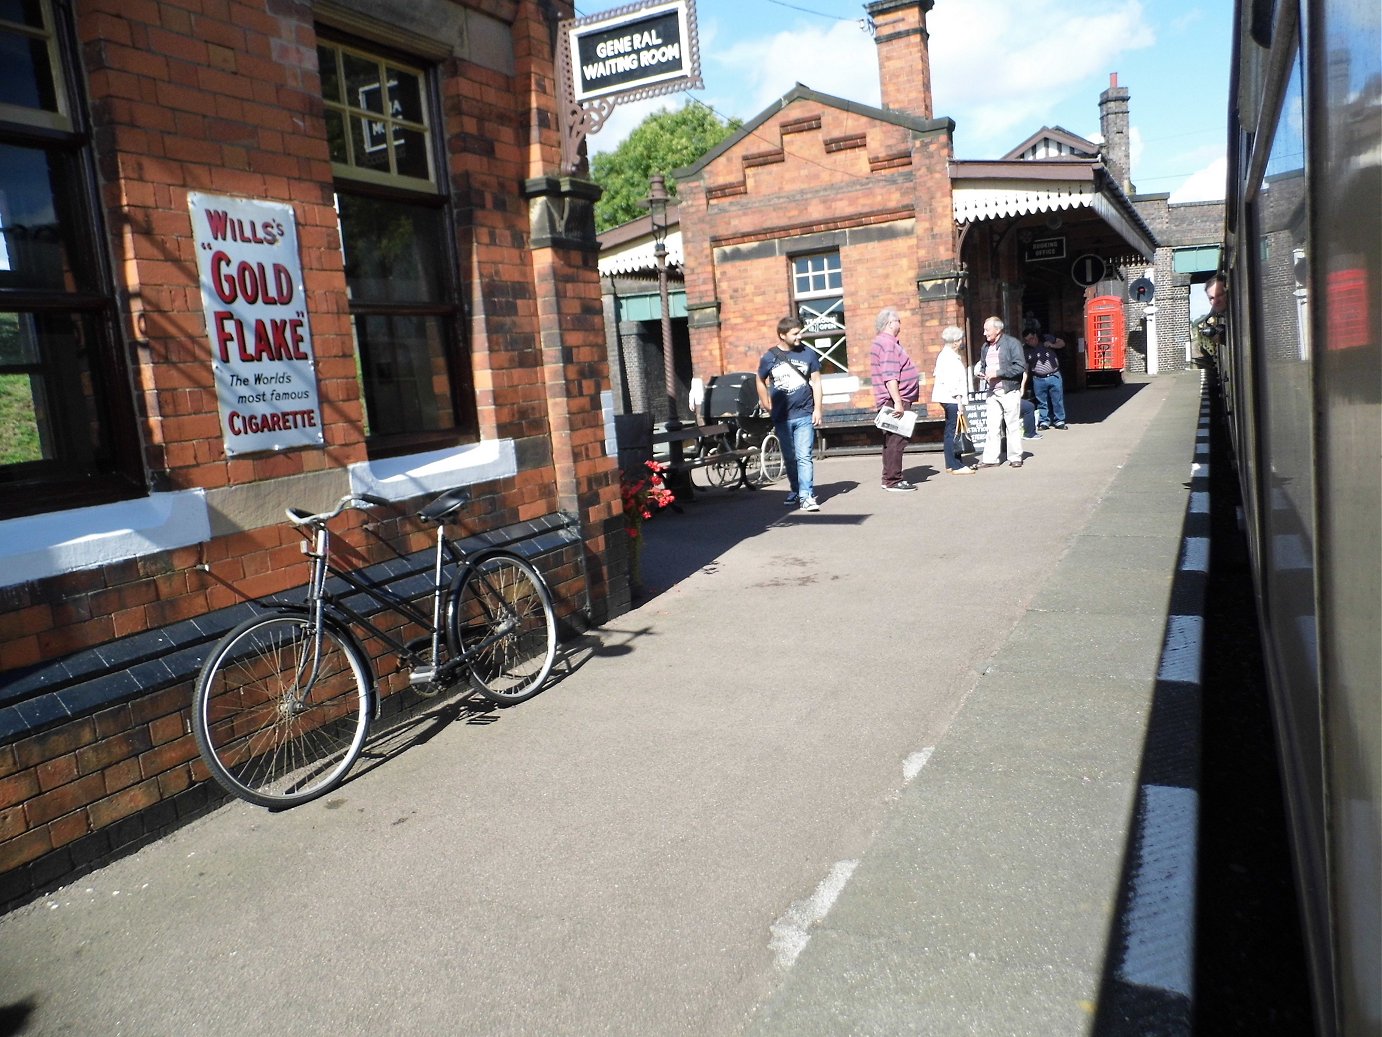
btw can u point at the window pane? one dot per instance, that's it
(34, 227)
(49, 406)
(26, 75)
(336, 136)
(410, 151)
(393, 251)
(815, 274)
(370, 138)
(20, 440)
(406, 385)
(405, 93)
(331, 78)
(362, 88)
(384, 107)
(22, 12)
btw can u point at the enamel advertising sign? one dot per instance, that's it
(256, 322)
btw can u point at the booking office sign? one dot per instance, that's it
(256, 322)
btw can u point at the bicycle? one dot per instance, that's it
(756, 429)
(284, 702)
(718, 467)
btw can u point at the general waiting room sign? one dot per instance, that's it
(633, 49)
(256, 322)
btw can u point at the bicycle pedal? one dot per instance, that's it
(422, 675)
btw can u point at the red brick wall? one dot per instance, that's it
(224, 99)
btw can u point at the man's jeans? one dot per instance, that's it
(798, 439)
(1004, 408)
(1050, 397)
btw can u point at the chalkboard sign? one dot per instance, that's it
(977, 415)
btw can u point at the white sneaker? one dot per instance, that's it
(809, 504)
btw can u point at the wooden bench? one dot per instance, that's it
(704, 455)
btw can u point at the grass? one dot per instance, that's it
(19, 440)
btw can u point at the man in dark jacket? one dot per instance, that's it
(1003, 367)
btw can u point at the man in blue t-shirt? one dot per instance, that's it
(789, 387)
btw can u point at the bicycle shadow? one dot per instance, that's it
(417, 722)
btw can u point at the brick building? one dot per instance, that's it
(438, 320)
(831, 209)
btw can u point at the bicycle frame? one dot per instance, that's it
(321, 605)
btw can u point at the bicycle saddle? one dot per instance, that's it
(445, 506)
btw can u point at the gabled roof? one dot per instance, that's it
(1053, 142)
(805, 93)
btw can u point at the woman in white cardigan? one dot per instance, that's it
(949, 387)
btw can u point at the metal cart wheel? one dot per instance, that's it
(768, 467)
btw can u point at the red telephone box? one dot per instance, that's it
(1105, 336)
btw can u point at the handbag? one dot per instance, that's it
(964, 442)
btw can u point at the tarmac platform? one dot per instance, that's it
(919, 763)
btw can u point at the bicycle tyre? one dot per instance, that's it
(770, 467)
(258, 744)
(495, 591)
(725, 470)
(716, 472)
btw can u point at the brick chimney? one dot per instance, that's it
(1113, 124)
(904, 60)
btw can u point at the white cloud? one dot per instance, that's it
(1000, 77)
(841, 61)
(1207, 184)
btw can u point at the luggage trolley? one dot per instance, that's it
(732, 399)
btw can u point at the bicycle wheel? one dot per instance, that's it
(719, 468)
(269, 733)
(501, 622)
(769, 465)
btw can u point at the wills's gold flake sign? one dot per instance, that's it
(256, 321)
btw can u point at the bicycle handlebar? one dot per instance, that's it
(303, 517)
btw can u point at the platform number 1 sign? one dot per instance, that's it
(1088, 269)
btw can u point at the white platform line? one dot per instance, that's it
(1195, 557)
(912, 766)
(792, 932)
(1182, 650)
(1161, 903)
(1160, 920)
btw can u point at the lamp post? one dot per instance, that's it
(657, 213)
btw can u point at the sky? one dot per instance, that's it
(1002, 69)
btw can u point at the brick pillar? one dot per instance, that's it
(575, 363)
(570, 316)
